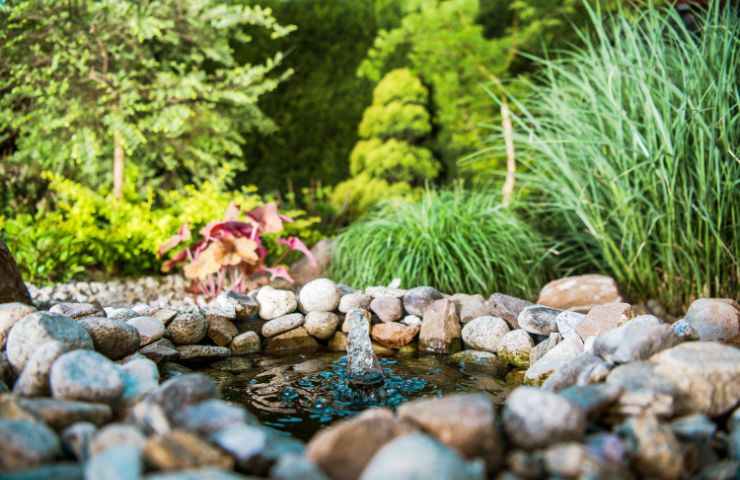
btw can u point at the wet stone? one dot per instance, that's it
(113, 338)
(26, 444)
(161, 350)
(198, 352)
(246, 343)
(150, 329)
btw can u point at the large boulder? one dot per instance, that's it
(12, 288)
(579, 292)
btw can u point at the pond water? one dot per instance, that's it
(300, 394)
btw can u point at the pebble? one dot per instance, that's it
(282, 324)
(387, 309)
(187, 328)
(161, 350)
(393, 334)
(76, 310)
(60, 414)
(555, 358)
(416, 300)
(320, 295)
(86, 376)
(150, 329)
(484, 333)
(221, 330)
(275, 303)
(10, 313)
(245, 343)
(26, 444)
(715, 319)
(113, 338)
(294, 341)
(321, 325)
(115, 435)
(179, 450)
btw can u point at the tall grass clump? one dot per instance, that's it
(631, 145)
(456, 241)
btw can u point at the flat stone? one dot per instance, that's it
(534, 418)
(36, 329)
(86, 376)
(34, 379)
(320, 295)
(484, 333)
(77, 310)
(209, 416)
(178, 450)
(637, 339)
(579, 292)
(282, 324)
(115, 435)
(707, 375)
(583, 369)
(417, 456)
(150, 329)
(715, 319)
(656, 453)
(10, 313)
(321, 325)
(465, 422)
(246, 343)
(275, 303)
(343, 449)
(440, 330)
(76, 439)
(140, 376)
(221, 330)
(165, 315)
(602, 318)
(416, 300)
(376, 292)
(470, 307)
(508, 308)
(113, 338)
(393, 334)
(59, 414)
(255, 448)
(555, 358)
(161, 350)
(120, 313)
(199, 352)
(120, 463)
(187, 328)
(293, 341)
(515, 347)
(26, 444)
(387, 309)
(538, 319)
(354, 300)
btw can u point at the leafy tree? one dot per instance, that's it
(391, 158)
(85, 83)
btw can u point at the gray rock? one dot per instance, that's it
(207, 473)
(354, 300)
(255, 448)
(429, 460)
(707, 375)
(388, 309)
(535, 418)
(150, 329)
(292, 466)
(188, 327)
(637, 339)
(642, 376)
(36, 329)
(113, 338)
(199, 352)
(602, 318)
(275, 303)
(655, 452)
(725, 470)
(555, 358)
(234, 305)
(508, 308)
(117, 463)
(34, 379)
(484, 333)
(545, 346)
(694, 428)
(208, 417)
(115, 435)
(245, 343)
(59, 414)
(76, 439)
(165, 315)
(470, 307)
(56, 471)
(321, 325)
(320, 295)
(120, 313)
(592, 399)
(140, 376)
(581, 370)
(221, 330)
(76, 310)
(26, 444)
(715, 319)
(293, 341)
(282, 324)
(10, 313)
(412, 321)
(440, 329)
(463, 422)
(539, 319)
(142, 309)
(87, 376)
(160, 351)
(389, 291)
(416, 300)
(567, 460)
(515, 347)
(179, 392)
(568, 322)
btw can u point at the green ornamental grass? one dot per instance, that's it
(457, 241)
(632, 146)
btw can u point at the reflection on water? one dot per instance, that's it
(300, 394)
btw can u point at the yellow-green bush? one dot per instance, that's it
(357, 195)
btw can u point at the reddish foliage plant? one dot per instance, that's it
(231, 251)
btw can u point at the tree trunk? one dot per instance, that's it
(12, 288)
(118, 164)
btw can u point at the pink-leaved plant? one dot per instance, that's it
(231, 251)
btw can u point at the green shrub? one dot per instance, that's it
(632, 146)
(456, 241)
